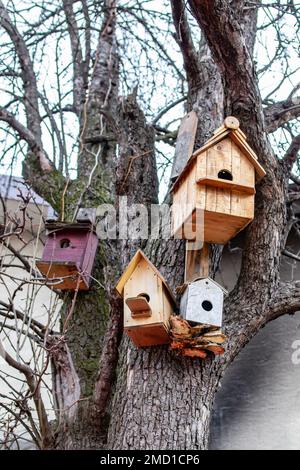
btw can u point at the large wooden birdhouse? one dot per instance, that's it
(202, 302)
(69, 255)
(217, 187)
(148, 302)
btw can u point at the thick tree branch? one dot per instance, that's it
(279, 113)
(26, 134)
(292, 153)
(78, 68)
(286, 301)
(185, 40)
(109, 356)
(167, 109)
(28, 75)
(224, 32)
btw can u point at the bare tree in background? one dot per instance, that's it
(83, 142)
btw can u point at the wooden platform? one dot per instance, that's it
(218, 227)
(68, 271)
(148, 335)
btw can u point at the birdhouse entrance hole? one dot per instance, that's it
(207, 305)
(65, 243)
(146, 296)
(225, 175)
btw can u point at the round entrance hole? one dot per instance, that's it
(146, 296)
(225, 175)
(65, 243)
(207, 305)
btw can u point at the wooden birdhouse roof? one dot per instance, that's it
(229, 129)
(57, 226)
(138, 257)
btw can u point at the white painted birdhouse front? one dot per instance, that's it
(202, 302)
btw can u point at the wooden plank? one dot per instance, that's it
(247, 172)
(224, 184)
(246, 202)
(204, 260)
(220, 228)
(179, 206)
(139, 307)
(68, 272)
(211, 172)
(252, 157)
(196, 261)
(201, 173)
(185, 143)
(222, 155)
(148, 335)
(192, 261)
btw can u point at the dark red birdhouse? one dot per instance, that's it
(69, 255)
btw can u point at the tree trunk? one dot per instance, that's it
(108, 393)
(162, 401)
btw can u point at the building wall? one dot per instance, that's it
(257, 406)
(39, 303)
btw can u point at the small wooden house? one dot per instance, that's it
(69, 255)
(148, 302)
(218, 183)
(202, 302)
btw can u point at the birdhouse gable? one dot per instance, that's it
(148, 302)
(144, 265)
(223, 138)
(214, 194)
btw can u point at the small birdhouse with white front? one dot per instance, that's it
(148, 302)
(217, 187)
(202, 302)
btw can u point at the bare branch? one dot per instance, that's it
(279, 113)
(292, 153)
(167, 109)
(29, 137)
(218, 20)
(184, 39)
(28, 75)
(78, 69)
(34, 388)
(285, 301)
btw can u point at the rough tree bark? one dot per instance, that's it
(123, 397)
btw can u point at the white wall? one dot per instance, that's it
(37, 301)
(258, 404)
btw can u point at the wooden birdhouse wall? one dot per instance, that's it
(144, 281)
(66, 245)
(228, 208)
(69, 253)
